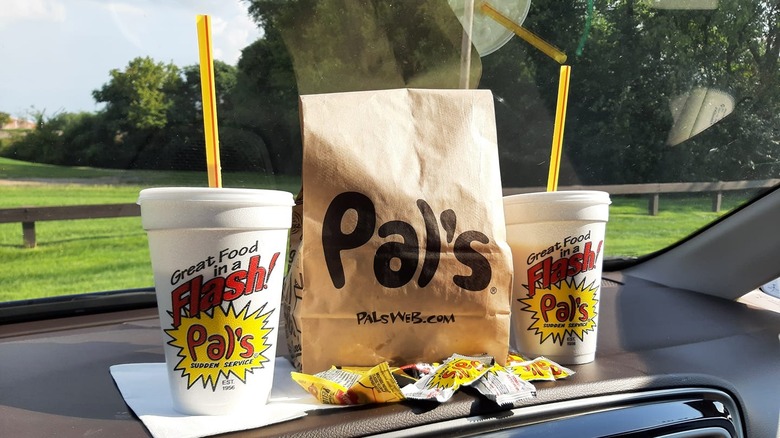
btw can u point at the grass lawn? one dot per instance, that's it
(79, 256)
(632, 232)
(137, 179)
(73, 257)
(11, 169)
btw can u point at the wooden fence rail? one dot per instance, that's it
(655, 190)
(29, 215)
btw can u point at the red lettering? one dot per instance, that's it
(194, 297)
(574, 305)
(216, 348)
(221, 346)
(548, 272)
(557, 372)
(184, 295)
(211, 294)
(589, 261)
(584, 312)
(195, 291)
(575, 264)
(559, 269)
(271, 265)
(534, 368)
(546, 304)
(448, 374)
(246, 344)
(255, 277)
(539, 272)
(234, 285)
(196, 336)
(562, 314)
(231, 340)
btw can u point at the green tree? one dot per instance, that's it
(186, 98)
(181, 144)
(63, 138)
(265, 105)
(138, 101)
(4, 118)
(636, 59)
(45, 142)
(341, 45)
(139, 96)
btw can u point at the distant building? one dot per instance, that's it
(16, 127)
(15, 123)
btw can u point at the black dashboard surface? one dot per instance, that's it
(55, 381)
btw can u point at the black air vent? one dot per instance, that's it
(671, 413)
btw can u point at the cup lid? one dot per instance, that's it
(208, 194)
(571, 205)
(589, 196)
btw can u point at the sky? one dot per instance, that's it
(53, 53)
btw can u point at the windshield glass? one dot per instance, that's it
(672, 108)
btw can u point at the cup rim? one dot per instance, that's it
(595, 197)
(256, 197)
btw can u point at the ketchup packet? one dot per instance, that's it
(514, 359)
(540, 368)
(442, 383)
(503, 387)
(352, 386)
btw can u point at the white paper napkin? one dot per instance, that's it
(145, 389)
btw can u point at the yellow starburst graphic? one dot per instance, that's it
(221, 344)
(563, 310)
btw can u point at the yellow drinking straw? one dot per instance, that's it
(208, 93)
(530, 37)
(560, 121)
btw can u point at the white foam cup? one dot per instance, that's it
(557, 242)
(218, 257)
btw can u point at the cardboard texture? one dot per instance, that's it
(403, 256)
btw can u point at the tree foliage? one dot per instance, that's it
(139, 96)
(626, 70)
(636, 59)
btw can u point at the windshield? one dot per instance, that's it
(672, 108)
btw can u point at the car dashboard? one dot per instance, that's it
(670, 363)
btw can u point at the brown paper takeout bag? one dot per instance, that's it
(403, 256)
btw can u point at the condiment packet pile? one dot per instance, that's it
(380, 384)
(444, 380)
